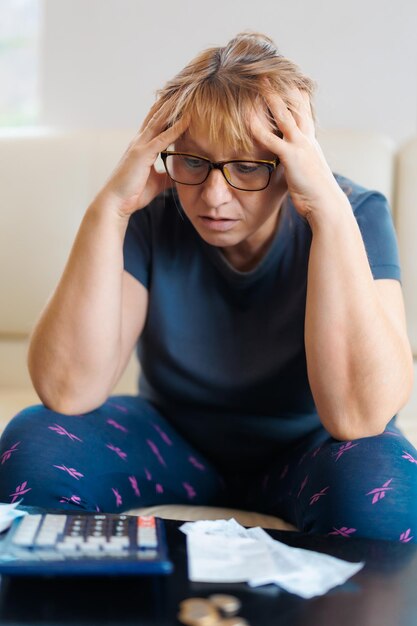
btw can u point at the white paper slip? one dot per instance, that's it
(8, 514)
(225, 551)
(212, 558)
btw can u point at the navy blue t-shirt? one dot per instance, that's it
(222, 352)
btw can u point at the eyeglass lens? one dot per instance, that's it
(191, 170)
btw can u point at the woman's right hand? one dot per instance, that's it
(135, 183)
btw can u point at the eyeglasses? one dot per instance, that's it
(191, 169)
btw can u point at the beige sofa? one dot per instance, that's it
(47, 179)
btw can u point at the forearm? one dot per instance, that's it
(74, 347)
(358, 366)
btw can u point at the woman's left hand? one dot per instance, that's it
(310, 181)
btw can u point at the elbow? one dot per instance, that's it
(356, 426)
(64, 403)
(60, 399)
(61, 395)
(350, 434)
(69, 406)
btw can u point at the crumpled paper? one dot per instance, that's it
(225, 551)
(8, 514)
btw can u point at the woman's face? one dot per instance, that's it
(250, 217)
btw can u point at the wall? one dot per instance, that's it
(103, 59)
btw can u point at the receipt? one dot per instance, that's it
(225, 551)
(8, 514)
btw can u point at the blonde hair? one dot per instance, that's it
(221, 85)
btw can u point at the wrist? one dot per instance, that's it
(104, 213)
(329, 212)
(108, 203)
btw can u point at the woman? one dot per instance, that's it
(266, 295)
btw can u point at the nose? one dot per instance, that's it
(215, 190)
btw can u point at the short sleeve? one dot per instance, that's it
(374, 218)
(137, 246)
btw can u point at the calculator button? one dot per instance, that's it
(146, 532)
(96, 540)
(72, 540)
(121, 542)
(89, 547)
(65, 546)
(45, 540)
(26, 531)
(113, 548)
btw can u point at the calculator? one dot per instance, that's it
(71, 544)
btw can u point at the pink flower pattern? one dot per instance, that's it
(62, 431)
(118, 451)
(405, 537)
(318, 495)
(316, 451)
(163, 434)
(408, 456)
(156, 452)
(118, 497)
(190, 490)
(303, 484)
(71, 471)
(117, 425)
(379, 492)
(196, 463)
(118, 407)
(74, 499)
(344, 531)
(134, 484)
(20, 491)
(8, 453)
(302, 458)
(344, 448)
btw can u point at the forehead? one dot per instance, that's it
(197, 139)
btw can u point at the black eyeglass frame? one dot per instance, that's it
(219, 165)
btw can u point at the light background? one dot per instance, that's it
(102, 60)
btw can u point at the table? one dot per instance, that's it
(383, 593)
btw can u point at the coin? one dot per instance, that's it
(198, 612)
(227, 604)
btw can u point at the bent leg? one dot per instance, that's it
(120, 456)
(361, 488)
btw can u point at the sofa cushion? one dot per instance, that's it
(406, 225)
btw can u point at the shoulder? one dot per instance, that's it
(361, 197)
(157, 210)
(163, 214)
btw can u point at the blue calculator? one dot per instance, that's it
(70, 544)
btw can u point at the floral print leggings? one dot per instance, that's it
(126, 455)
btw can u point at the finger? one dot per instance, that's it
(167, 137)
(282, 115)
(268, 139)
(158, 182)
(301, 110)
(156, 120)
(140, 136)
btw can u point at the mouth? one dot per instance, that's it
(219, 224)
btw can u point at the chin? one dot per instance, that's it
(219, 239)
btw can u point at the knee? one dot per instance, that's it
(25, 420)
(366, 487)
